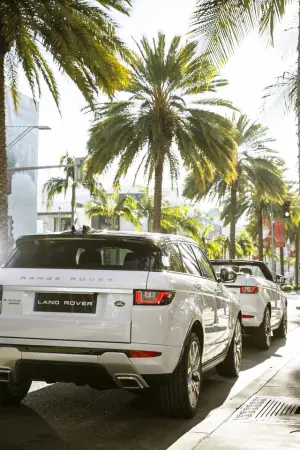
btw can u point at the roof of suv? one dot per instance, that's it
(236, 261)
(94, 234)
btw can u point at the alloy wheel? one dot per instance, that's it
(285, 322)
(268, 327)
(193, 374)
(238, 346)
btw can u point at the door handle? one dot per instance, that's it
(198, 287)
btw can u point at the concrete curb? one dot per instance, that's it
(217, 417)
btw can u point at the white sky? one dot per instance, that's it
(251, 69)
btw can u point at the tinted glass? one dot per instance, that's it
(175, 261)
(205, 267)
(102, 254)
(241, 269)
(189, 259)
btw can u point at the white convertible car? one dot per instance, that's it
(263, 303)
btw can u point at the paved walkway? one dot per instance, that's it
(265, 415)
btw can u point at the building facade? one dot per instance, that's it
(22, 152)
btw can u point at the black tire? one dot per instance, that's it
(230, 367)
(13, 393)
(263, 334)
(281, 331)
(173, 396)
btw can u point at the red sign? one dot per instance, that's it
(266, 233)
(279, 233)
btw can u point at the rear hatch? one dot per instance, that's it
(74, 287)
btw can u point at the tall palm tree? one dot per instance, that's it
(256, 167)
(79, 37)
(114, 207)
(158, 124)
(174, 219)
(58, 185)
(245, 244)
(223, 24)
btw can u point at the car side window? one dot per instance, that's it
(205, 267)
(189, 259)
(175, 261)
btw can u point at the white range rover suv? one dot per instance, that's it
(115, 310)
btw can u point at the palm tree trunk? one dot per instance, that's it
(73, 204)
(260, 233)
(232, 221)
(281, 261)
(3, 169)
(297, 259)
(149, 224)
(158, 179)
(298, 132)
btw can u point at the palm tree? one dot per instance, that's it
(174, 219)
(114, 207)
(222, 25)
(58, 185)
(245, 246)
(80, 38)
(212, 247)
(223, 243)
(158, 124)
(257, 170)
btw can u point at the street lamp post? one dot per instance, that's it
(25, 132)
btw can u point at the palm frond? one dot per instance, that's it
(81, 39)
(54, 186)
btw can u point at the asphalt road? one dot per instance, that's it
(61, 417)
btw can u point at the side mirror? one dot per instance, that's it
(280, 280)
(227, 276)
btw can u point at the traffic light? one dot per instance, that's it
(287, 209)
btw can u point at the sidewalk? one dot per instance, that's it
(265, 415)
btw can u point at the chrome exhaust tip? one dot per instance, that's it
(5, 375)
(131, 382)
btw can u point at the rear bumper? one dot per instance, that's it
(251, 322)
(111, 368)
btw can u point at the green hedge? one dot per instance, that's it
(289, 288)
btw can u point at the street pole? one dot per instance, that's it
(59, 218)
(273, 261)
(24, 133)
(25, 169)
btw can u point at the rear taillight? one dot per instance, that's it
(249, 289)
(145, 297)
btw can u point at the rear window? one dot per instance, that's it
(86, 254)
(258, 270)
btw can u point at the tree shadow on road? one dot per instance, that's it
(252, 356)
(109, 420)
(65, 417)
(21, 428)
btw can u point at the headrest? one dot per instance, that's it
(90, 258)
(246, 270)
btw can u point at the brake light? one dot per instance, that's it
(144, 297)
(142, 354)
(249, 289)
(247, 316)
